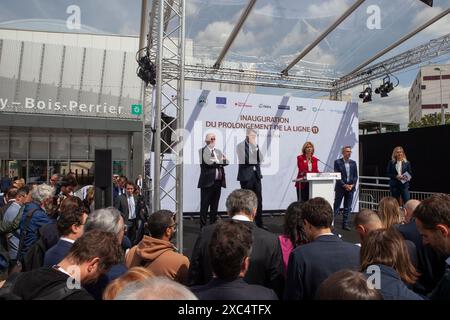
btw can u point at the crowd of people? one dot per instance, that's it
(55, 247)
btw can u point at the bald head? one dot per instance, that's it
(410, 206)
(365, 221)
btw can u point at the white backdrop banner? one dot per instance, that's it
(283, 124)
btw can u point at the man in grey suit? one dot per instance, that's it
(133, 211)
(249, 174)
(212, 179)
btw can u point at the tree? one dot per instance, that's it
(429, 120)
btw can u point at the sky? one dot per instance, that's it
(274, 33)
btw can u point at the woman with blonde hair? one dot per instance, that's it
(399, 172)
(133, 275)
(385, 260)
(306, 162)
(389, 212)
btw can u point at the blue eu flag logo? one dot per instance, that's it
(221, 100)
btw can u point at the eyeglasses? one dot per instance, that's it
(174, 225)
(212, 139)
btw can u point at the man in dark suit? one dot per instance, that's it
(70, 227)
(430, 264)
(249, 174)
(133, 211)
(229, 261)
(345, 188)
(310, 264)
(266, 263)
(433, 222)
(212, 179)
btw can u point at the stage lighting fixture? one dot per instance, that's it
(386, 87)
(366, 94)
(146, 70)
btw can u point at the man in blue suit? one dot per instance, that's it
(345, 188)
(310, 264)
(70, 227)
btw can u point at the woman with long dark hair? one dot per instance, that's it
(385, 260)
(293, 233)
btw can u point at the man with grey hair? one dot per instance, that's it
(106, 219)
(409, 208)
(212, 179)
(156, 288)
(109, 220)
(35, 215)
(345, 188)
(266, 264)
(249, 174)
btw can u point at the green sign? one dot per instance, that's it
(136, 109)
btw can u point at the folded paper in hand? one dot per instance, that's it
(406, 177)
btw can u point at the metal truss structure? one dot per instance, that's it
(257, 78)
(434, 48)
(166, 50)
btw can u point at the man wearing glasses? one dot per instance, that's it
(249, 174)
(212, 179)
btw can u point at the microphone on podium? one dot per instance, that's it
(332, 169)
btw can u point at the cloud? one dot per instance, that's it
(261, 19)
(191, 8)
(394, 108)
(328, 8)
(217, 33)
(438, 28)
(300, 35)
(128, 29)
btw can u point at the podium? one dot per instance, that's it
(321, 184)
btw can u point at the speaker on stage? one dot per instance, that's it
(103, 178)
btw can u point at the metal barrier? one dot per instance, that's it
(370, 197)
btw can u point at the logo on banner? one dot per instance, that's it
(221, 102)
(202, 100)
(301, 108)
(242, 105)
(265, 106)
(315, 129)
(284, 107)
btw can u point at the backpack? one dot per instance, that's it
(23, 235)
(60, 292)
(34, 258)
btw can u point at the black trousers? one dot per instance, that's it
(209, 200)
(303, 194)
(254, 184)
(131, 230)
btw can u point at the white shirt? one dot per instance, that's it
(240, 217)
(398, 167)
(63, 271)
(67, 239)
(131, 207)
(214, 159)
(347, 168)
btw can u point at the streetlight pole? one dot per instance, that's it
(442, 105)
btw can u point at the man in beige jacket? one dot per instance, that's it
(156, 252)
